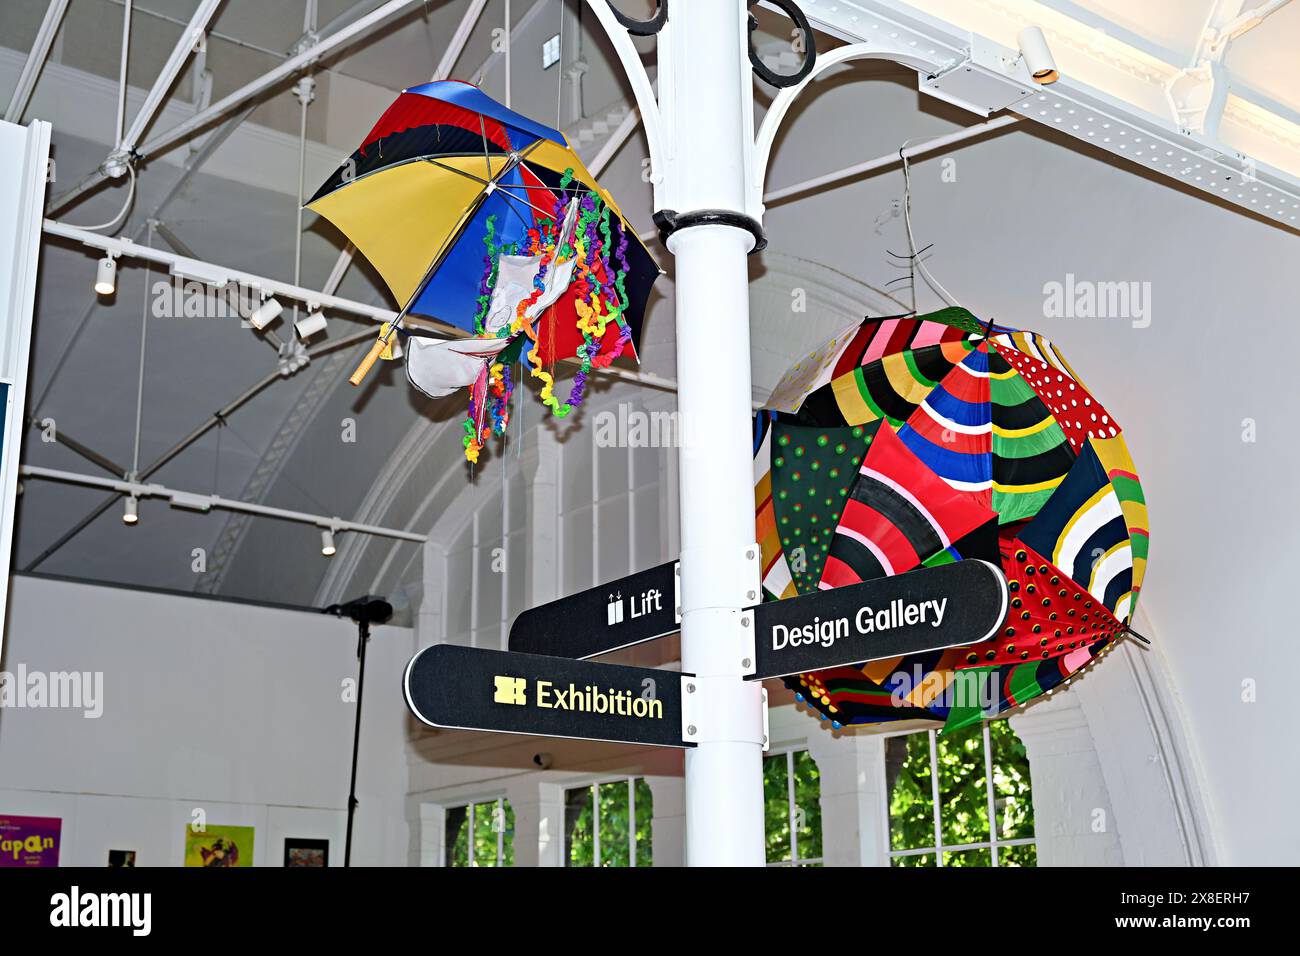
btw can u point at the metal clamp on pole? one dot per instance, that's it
(670, 221)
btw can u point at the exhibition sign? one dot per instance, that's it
(631, 610)
(924, 610)
(473, 688)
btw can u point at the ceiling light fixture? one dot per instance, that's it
(131, 512)
(265, 314)
(106, 276)
(313, 323)
(327, 543)
(1037, 55)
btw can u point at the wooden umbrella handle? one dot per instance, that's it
(368, 362)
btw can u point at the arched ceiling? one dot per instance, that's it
(286, 446)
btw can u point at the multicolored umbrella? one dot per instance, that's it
(980, 442)
(479, 218)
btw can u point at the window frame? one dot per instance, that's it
(938, 848)
(594, 786)
(499, 807)
(792, 807)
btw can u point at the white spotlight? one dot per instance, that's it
(106, 276)
(131, 513)
(1037, 55)
(265, 314)
(313, 323)
(327, 543)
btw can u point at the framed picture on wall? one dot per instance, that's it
(29, 841)
(121, 859)
(218, 846)
(299, 851)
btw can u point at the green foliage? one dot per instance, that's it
(615, 819)
(807, 821)
(489, 820)
(963, 796)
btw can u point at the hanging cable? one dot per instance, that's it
(117, 220)
(139, 388)
(921, 267)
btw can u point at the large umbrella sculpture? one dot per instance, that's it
(916, 441)
(479, 218)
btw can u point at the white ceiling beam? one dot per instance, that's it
(190, 38)
(182, 131)
(35, 60)
(191, 501)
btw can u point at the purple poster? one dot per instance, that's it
(29, 841)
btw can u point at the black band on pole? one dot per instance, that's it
(670, 221)
(642, 28)
(770, 76)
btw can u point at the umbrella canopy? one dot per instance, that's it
(981, 442)
(452, 193)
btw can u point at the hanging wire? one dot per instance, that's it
(117, 220)
(144, 339)
(916, 257)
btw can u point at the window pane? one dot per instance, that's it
(808, 806)
(579, 837)
(963, 793)
(776, 808)
(969, 857)
(911, 805)
(456, 845)
(508, 836)
(485, 833)
(645, 811)
(614, 808)
(1026, 855)
(1015, 808)
(921, 859)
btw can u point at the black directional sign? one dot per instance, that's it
(924, 610)
(628, 611)
(471, 688)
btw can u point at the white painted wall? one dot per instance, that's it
(232, 708)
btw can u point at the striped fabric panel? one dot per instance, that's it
(777, 580)
(1031, 455)
(899, 513)
(1114, 456)
(890, 388)
(1082, 530)
(951, 431)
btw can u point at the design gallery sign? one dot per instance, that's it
(924, 610)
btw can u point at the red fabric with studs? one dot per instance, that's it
(1079, 414)
(1066, 616)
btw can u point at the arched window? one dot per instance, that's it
(959, 799)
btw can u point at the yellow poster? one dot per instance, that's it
(219, 846)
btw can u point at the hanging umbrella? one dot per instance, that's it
(488, 222)
(984, 444)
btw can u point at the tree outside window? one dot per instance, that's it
(480, 834)
(609, 822)
(792, 809)
(945, 789)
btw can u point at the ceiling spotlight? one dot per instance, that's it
(131, 513)
(327, 543)
(1037, 55)
(106, 276)
(265, 314)
(313, 323)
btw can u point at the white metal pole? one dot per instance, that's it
(711, 124)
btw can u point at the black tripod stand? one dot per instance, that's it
(364, 611)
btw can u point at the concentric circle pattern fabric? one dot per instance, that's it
(915, 441)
